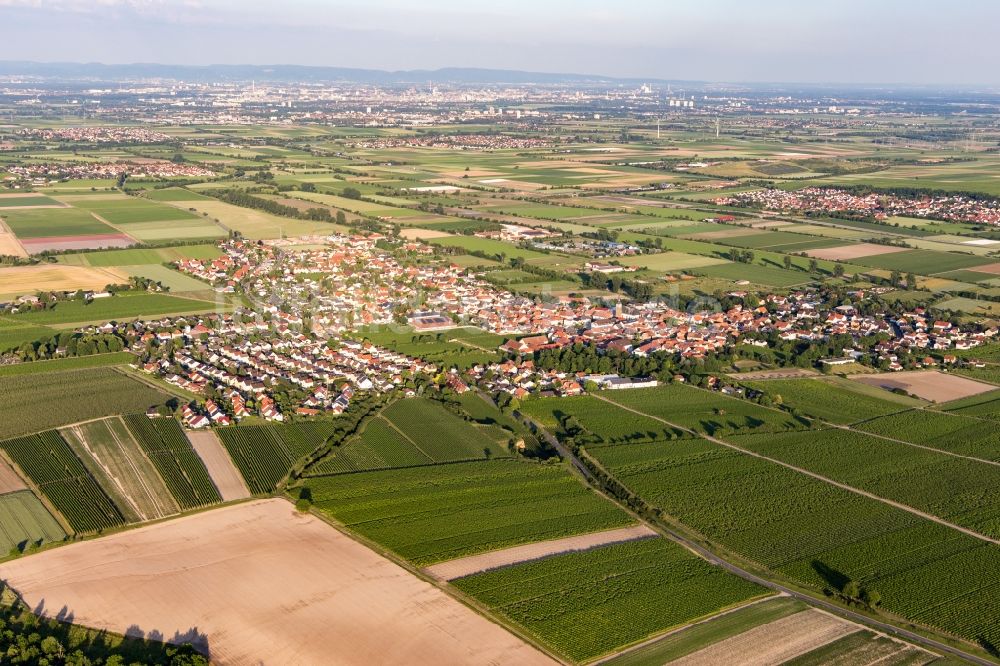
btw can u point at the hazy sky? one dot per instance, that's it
(905, 41)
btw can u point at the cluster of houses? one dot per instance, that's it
(104, 134)
(954, 208)
(55, 171)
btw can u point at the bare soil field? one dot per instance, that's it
(416, 233)
(8, 243)
(466, 566)
(259, 583)
(773, 643)
(220, 466)
(928, 384)
(81, 242)
(992, 269)
(856, 251)
(9, 480)
(781, 373)
(769, 224)
(725, 233)
(56, 277)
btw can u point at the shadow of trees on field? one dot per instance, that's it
(142, 646)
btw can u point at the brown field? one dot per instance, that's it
(856, 251)
(466, 566)
(10, 481)
(259, 583)
(725, 233)
(17, 280)
(773, 643)
(416, 233)
(81, 242)
(220, 466)
(8, 243)
(992, 269)
(782, 373)
(928, 384)
(769, 224)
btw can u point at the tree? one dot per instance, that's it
(871, 597)
(351, 193)
(308, 187)
(813, 266)
(838, 270)
(851, 589)
(341, 218)
(788, 262)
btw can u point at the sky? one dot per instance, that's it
(848, 41)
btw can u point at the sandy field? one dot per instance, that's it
(9, 480)
(56, 277)
(992, 269)
(9, 245)
(773, 643)
(466, 566)
(220, 466)
(258, 583)
(83, 242)
(928, 384)
(855, 251)
(415, 233)
(769, 224)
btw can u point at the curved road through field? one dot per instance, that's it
(709, 556)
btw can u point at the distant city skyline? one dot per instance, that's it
(879, 41)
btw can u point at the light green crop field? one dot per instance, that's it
(45, 222)
(130, 210)
(10, 202)
(116, 308)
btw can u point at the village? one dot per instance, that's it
(817, 200)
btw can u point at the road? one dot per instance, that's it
(710, 556)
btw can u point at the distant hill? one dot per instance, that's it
(293, 73)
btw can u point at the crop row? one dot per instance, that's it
(602, 421)
(814, 532)
(180, 467)
(941, 430)
(380, 446)
(615, 595)
(436, 513)
(441, 435)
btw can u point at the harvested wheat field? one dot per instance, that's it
(219, 465)
(855, 251)
(466, 566)
(928, 384)
(259, 583)
(9, 480)
(417, 233)
(773, 643)
(8, 242)
(56, 277)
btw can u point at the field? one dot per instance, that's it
(616, 595)
(256, 224)
(57, 472)
(817, 534)
(116, 308)
(831, 400)
(702, 411)
(25, 521)
(933, 386)
(260, 583)
(691, 639)
(35, 402)
(432, 514)
(961, 491)
(44, 223)
(114, 458)
(947, 431)
(219, 466)
(264, 454)
(21, 280)
(602, 420)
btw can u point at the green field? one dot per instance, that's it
(703, 411)
(45, 222)
(264, 454)
(602, 421)
(831, 400)
(137, 257)
(129, 210)
(493, 248)
(174, 194)
(24, 521)
(116, 308)
(583, 605)
(37, 402)
(70, 363)
(10, 202)
(431, 514)
(817, 534)
(964, 435)
(439, 434)
(55, 470)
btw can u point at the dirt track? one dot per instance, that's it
(220, 466)
(259, 583)
(533, 551)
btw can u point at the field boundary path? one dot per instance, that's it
(820, 477)
(227, 479)
(496, 559)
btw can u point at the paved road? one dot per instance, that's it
(837, 609)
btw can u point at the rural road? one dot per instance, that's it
(709, 556)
